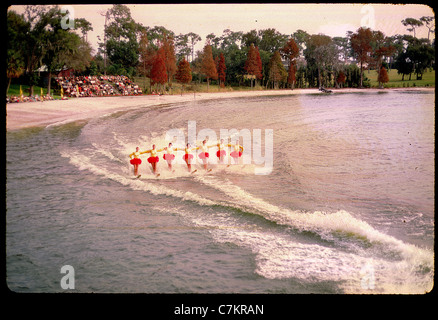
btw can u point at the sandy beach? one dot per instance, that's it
(34, 114)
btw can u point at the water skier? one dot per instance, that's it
(221, 153)
(153, 159)
(169, 156)
(135, 160)
(188, 156)
(204, 155)
(237, 153)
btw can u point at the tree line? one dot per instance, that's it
(264, 58)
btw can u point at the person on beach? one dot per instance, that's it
(153, 159)
(204, 155)
(221, 153)
(135, 159)
(188, 156)
(237, 152)
(169, 156)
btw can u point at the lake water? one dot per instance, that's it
(346, 207)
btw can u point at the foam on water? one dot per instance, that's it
(281, 256)
(351, 246)
(409, 273)
(84, 163)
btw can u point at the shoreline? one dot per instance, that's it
(38, 114)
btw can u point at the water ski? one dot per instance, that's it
(137, 177)
(194, 171)
(209, 170)
(157, 175)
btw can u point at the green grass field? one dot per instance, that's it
(14, 90)
(395, 80)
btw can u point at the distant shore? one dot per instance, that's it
(37, 114)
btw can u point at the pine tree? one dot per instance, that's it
(208, 67)
(184, 72)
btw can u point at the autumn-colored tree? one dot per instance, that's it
(169, 57)
(291, 79)
(277, 73)
(290, 52)
(221, 70)
(252, 64)
(208, 67)
(158, 71)
(361, 44)
(340, 80)
(259, 74)
(184, 73)
(383, 77)
(147, 56)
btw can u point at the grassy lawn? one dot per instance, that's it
(14, 90)
(395, 80)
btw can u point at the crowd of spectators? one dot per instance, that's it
(124, 85)
(87, 86)
(90, 86)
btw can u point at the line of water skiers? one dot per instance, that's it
(169, 155)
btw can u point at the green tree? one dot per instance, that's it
(63, 47)
(404, 65)
(37, 20)
(428, 22)
(193, 39)
(421, 55)
(412, 23)
(121, 39)
(322, 53)
(16, 28)
(271, 40)
(250, 38)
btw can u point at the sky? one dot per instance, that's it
(203, 19)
